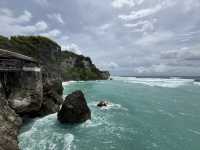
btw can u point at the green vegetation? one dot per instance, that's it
(78, 67)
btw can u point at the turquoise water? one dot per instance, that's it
(144, 114)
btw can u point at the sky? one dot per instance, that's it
(126, 37)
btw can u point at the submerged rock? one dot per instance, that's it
(74, 109)
(102, 104)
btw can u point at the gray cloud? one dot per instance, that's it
(127, 37)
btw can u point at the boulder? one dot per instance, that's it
(74, 109)
(102, 104)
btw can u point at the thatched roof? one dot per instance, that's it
(10, 54)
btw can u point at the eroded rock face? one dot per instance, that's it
(26, 91)
(52, 97)
(9, 126)
(74, 109)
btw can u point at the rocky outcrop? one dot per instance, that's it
(79, 67)
(26, 91)
(31, 93)
(51, 98)
(102, 104)
(10, 123)
(74, 109)
(36, 93)
(40, 93)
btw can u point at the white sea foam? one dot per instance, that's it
(159, 82)
(194, 131)
(68, 140)
(49, 138)
(68, 83)
(197, 83)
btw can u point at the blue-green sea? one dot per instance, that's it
(143, 114)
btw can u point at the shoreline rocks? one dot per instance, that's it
(74, 109)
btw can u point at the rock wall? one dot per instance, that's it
(49, 82)
(79, 67)
(10, 123)
(29, 93)
(38, 93)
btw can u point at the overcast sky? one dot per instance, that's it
(126, 37)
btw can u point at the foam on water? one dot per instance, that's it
(194, 131)
(68, 83)
(43, 136)
(170, 83)
(137, 117)
(68, 139)
(197, 83)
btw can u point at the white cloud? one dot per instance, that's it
(42, 2)
(53, 33)
(25, 17)
(158, 68)
(41, 25)
(190, 5)
(157, 37)
(14, 25)
(141, 26)
(73, 48)
(125, 3)
(57, 17)
(147, 11)
(141, 13)
(8, 16)
(102, 29)
(109, 66)
(122, 3)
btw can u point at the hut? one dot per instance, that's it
(12, 61)
(18, 71)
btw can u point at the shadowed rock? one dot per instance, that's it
(102, 104)
(74, 109)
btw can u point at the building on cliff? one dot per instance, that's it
(21, 81)
(11, 61)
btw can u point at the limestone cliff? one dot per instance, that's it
(79, 67)
(47, 53)
(36, 93)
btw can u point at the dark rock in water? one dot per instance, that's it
(102, 104)
(74, 109)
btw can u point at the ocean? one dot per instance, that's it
(143, 114)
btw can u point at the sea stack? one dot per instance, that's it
(74, 109)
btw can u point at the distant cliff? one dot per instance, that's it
(79, 67)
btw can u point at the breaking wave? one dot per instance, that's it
(159, 82)
(42, 135)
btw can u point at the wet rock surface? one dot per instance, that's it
(74, 109)
(102, 104)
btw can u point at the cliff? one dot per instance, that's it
(79, 67)
(47, 53)
(30, 86)
(32, 69)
